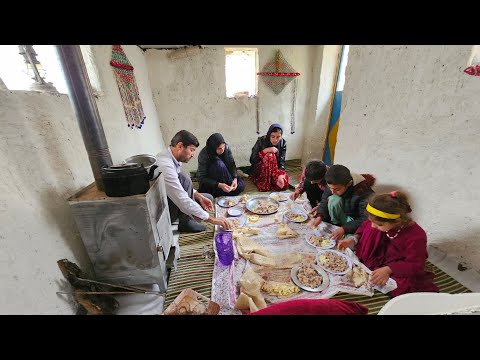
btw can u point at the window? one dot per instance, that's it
(13, 69)
(241, 67)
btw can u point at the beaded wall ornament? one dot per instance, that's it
(128, 88)
(278, 73)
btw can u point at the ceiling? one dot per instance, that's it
(165, 47)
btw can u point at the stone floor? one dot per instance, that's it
(469, 278)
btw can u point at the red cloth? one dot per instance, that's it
(314, 307)
(267, 173)
(406, 255)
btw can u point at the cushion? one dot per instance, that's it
(314, 307)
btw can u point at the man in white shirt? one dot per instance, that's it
(185, 203)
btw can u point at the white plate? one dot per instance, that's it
(241, 220)
(297, 212)
(223, 201)
(234, 211)
(318, 233)
(280, 196)
(302, 198)
(319, 270)
(323, 252)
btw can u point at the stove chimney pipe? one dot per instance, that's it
(85, 107)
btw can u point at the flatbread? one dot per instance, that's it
(284, 232)
(247, 246)
(284, 261)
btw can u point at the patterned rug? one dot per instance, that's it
(294, 171)
(195, 267)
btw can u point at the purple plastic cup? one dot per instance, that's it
(224, 246)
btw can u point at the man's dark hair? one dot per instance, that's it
(338, 175)
(186, 138)
(315, 170)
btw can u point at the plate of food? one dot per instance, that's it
(227, 201)
(279, 196)
(233, 211)
(296, 215)
(316, 239)
(262, 205)
(310, 277)
(235, 221)
(301, 199)
(333, 261)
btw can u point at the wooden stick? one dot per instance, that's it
(121, 286)
(105, 292)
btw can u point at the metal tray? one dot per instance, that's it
(253, 203)
(319, 270)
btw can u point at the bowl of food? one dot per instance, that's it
(318, 240)
(302, 198)
(296, 215)
(309, 277)
(334, 262)
(235, 222)
(279, 196)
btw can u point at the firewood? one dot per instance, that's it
(97, 304)
(75, 276)
(94, 304)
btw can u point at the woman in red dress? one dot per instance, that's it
(268, 161)
(392, 245)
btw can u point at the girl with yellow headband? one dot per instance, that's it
(392, 245)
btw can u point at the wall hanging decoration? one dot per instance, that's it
(294, 102)
(128, 87)
(473, 70)
(276, 74)
(473, 65)
(258, 111)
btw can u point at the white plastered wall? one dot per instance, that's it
(190, 94)
(410, 117)
(321, 96)
(45, 162)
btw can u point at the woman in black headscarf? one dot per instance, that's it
(268, 161)
(217, 172)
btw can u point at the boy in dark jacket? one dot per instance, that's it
(312, 182)
(344, 201)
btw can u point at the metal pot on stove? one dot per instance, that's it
(125, 179)
(148, 162)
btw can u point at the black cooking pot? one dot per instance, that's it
(125, 179)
